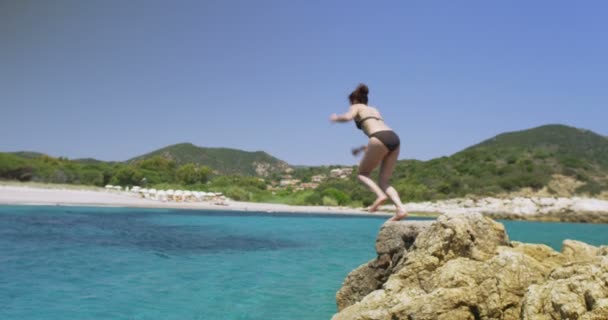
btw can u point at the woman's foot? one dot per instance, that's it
(401, 214)
(379, 201)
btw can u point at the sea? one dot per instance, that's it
(123, 263)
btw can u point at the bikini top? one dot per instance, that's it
(360, 122)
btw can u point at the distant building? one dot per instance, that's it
(341, 173)
(289, 182)
(318, 178)
(310, 185)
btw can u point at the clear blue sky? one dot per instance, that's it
(115, 79)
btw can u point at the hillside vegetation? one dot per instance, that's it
(222, 160)
(524, 160)
(511, 161)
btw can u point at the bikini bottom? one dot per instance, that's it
(388, 137)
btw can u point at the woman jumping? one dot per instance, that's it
(382, 149)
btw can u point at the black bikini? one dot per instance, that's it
(360, 122)
(388, 137)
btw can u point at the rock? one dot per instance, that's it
(360, 282)
(468, 235)
(463, 266)
(396, 236)
(548, 258)
(577, 251)
(393, 240)
(562, 204)
(578, 291)
(589, 205)
(523, 206)
(546, 202)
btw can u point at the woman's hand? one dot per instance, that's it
(348, 116)
(356, 151)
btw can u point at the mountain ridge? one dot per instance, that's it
(557, 160)
(223, 160)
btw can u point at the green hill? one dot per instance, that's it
(508, 162)
(27, 154)
(550, 160)
(558, 140)
(175, 166)
(222, 160)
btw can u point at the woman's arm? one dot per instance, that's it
(348, 116)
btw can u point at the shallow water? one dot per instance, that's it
(116, 263)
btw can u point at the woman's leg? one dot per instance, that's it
(375, 152)
(386, 171)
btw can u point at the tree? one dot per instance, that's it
(156, 163)
(189, 174)
(127, 176)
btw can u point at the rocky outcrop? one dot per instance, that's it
(574, 209)
(394, 239)
(463, 266)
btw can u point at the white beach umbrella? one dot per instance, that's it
(179, 195)
(109, 186)
(170, 194)
(161, 195)
(135, 189)
(152, 193)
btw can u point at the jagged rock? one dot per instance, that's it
(577, 251)
(468, 235)
(548, 258)
(578, 291)
(392, 242)
(463, 266)
(394, 237)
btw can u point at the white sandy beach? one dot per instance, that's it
(28, 195)
(529, 207)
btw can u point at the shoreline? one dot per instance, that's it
(40, 196)
(517, 209)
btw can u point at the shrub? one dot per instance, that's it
(237, 193)
(591, 188)
(127, 176)
(328, 201)
(189, 174)
(340, 197)
(91, 177)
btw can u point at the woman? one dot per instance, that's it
(382, 149)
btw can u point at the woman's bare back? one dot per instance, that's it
(371, 124)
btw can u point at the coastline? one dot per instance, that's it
(583, 210)
(91, 197)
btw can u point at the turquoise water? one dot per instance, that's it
(116, 263)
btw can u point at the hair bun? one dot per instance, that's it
(359, 95)
(363, 89)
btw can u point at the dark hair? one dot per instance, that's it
(359, 95)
